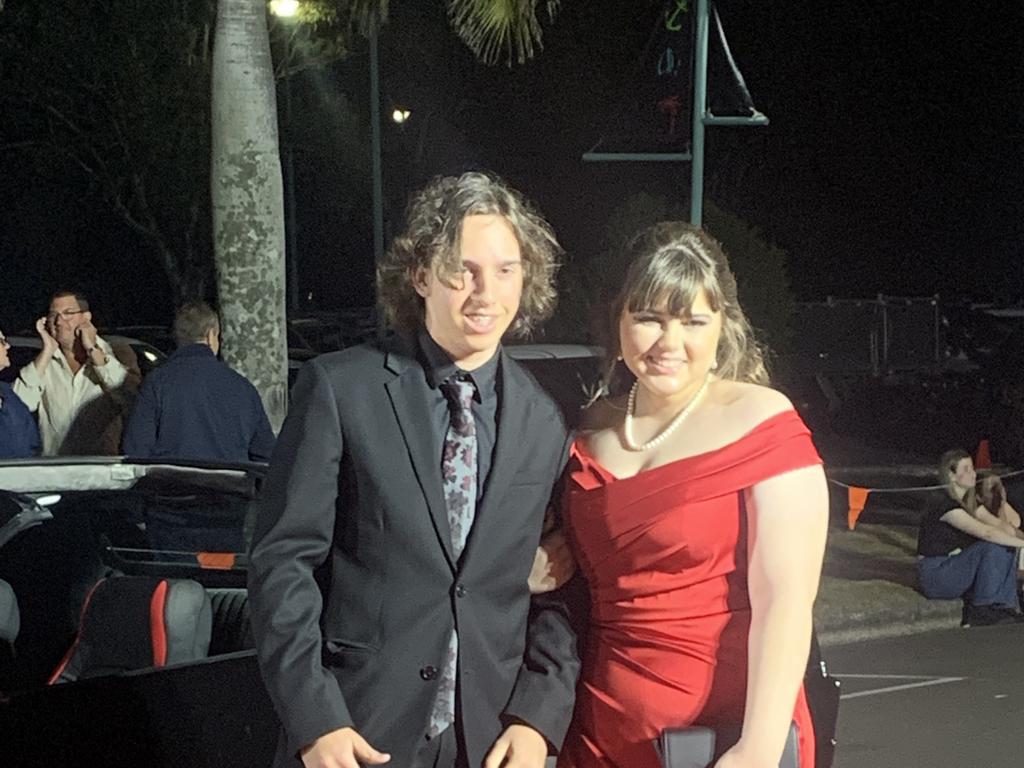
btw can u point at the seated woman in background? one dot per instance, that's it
(961, 555)
(994, 508)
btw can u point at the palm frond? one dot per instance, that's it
(496, 29)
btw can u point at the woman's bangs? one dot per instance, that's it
(672, 288)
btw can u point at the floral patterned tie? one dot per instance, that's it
(458, 474)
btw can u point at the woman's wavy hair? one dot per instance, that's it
(946, 470)
(670, 264)
(431, 240)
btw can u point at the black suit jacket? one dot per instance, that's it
(353, 586)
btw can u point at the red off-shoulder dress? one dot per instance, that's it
(665, 555)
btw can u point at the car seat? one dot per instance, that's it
(137, 622)
(10, 619)
(10, 624)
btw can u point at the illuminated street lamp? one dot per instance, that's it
(400, 116)
(284, 9)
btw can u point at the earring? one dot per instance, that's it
(714, 365)
(618, 358)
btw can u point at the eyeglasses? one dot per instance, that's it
(66, 314)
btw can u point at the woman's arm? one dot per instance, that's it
(982, 515)
(1010, 515)
(787, 526)
(963, 521)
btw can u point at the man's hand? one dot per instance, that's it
(520, 746)
(87, 333)
(553, 565)
(50, 344)
(343, 748)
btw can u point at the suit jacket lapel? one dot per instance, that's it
(514, 417)
(408, 393)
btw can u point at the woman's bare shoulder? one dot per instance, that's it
(751, 404)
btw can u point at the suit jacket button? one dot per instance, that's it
(460, 591)
(428, 672)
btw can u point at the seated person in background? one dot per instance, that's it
(995, 509)
(960, 555)
(993, 506)
(19, 436)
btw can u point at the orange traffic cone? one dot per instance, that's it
(982, 458)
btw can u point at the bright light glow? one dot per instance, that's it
(400, 115)
(49, 500)
(285, 9)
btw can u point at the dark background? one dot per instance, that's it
(892, 163)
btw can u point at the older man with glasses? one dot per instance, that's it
(74, 379)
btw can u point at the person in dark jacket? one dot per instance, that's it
(194, 406)
(19, 435)
(389, 571)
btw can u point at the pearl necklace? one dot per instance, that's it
(627, 426)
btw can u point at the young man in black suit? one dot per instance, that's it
(403, 508)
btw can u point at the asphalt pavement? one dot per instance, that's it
(945, 699)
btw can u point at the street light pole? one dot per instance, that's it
(378, 173)
(287, 10)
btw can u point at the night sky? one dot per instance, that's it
(892, 163)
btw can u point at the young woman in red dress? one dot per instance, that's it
(697, 510)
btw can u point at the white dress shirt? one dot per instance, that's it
(59, 395)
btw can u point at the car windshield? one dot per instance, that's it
(135, 516)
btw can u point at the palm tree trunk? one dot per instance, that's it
(248, 203)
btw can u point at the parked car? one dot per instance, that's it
(159, 336)
(70, 521)
(331, 331)
(570, 373)
(67, 525)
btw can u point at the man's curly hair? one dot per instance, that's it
(432, 240)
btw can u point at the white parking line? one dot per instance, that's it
(844, 675)
(894, 688)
